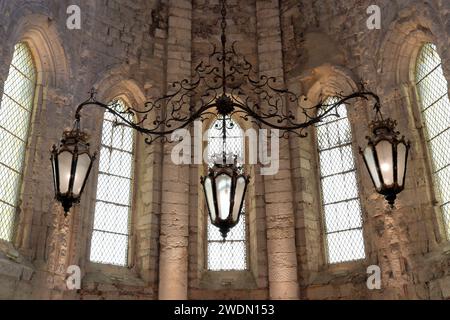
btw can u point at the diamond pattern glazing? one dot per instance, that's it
(230, 254)
(433, 91)
(340, 196)
(15, 114)
(109, 244)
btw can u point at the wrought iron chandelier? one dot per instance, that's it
(226, 86)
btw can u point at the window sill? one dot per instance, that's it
(345, 267)
(227, 280)
(13, 264)
(354, 271)
(113, 275)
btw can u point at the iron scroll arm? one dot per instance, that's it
(285, 122)
(227, 82)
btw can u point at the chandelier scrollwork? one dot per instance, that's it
(226, 75)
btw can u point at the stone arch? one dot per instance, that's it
(398, 54)
(242, 279)
(328, 80)
(321, 82)
(117, 84)
(41, 35)
(402, 42)
(32, 25)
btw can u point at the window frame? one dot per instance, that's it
(421, 125)
(246, 210)
(28, 134)
(321, 205)
(132, 202)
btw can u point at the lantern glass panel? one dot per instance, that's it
(385, 160)
(65, 167)
(223, 189)
(401, 163)
(54, 157)
(83, 163)
(210, 198)
(239, 193)
(370, 159)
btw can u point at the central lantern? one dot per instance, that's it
(225, 187)
(226, 183)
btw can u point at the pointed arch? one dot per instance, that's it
(432, 87)
(111, 229)
(16, 108)
(232, 253)
(341, 204)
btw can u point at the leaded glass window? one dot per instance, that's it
(15, 114)
(435, 107)
(340, 196)
(109, 244)
(230, 254)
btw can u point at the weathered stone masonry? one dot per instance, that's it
(136, 49)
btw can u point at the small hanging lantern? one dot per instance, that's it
(386, 158)
(72, 163)
(225, 187)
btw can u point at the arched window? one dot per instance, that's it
(435, 107)
(15, 114)
(109, 244)
(340, 196)
(232, 253)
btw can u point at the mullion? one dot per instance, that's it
(111, 232)
(344, 230)
(429, 73)
(435, 102)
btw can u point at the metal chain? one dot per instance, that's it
(224, 16)
(224, 21)
(224, 41)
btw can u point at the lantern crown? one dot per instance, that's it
(383, 125)
(75, 135)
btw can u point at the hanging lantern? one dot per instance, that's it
(225, 187)
(72, 163)
(386, 158)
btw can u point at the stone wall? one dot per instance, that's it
(136, 49)
(119, 44)
(328, 48)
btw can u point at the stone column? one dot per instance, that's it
(174, 229)
(282, 260)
